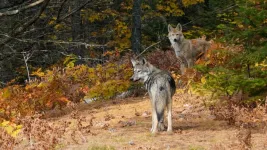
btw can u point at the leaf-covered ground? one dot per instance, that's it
(125, 124)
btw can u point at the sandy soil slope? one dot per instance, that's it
(125, 124)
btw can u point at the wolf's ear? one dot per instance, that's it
(133, 61)
(170, 28)
(144, 61)
(179, 27)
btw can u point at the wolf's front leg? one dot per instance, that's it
(190, 63)
(182, 68)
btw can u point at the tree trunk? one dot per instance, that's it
(136, 28)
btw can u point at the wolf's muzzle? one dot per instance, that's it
(134, 79)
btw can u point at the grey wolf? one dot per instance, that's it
(161, 87)
(187, 51)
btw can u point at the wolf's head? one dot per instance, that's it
(142, 69)
(175, 34)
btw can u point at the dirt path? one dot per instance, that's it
(125, 124)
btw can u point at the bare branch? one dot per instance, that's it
(83, 58)
(14, 12)
(75, 10)
(60, 19)
(53, 41)
(26, 57)
(148, 48)
(60, 9)
(11, 5)
(27, 24)
(31, 21)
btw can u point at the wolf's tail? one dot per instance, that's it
(160, 114)
(160, 105)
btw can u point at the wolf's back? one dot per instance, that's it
(161, 88)
(163, 80)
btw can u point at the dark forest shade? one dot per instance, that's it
(136, 30)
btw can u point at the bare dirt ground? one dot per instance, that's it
(125, 124)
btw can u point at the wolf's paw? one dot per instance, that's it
(169, 132)
(154, 133)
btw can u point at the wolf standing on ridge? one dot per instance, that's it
(161, 87)
(186, 50)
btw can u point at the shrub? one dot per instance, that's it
(57, 87)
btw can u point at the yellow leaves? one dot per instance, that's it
(91, 73)
(191, 2)
(69, 61)
(110, 79)
(42, 85)
(11, 128)
(6, 93)
(70, 64)
(52, 21)
(60, 86)
(170, 8)
(93, 18)
(145, 6)
(160, 7)
(173, 5)
(99, 68)
(203, 80)
(241, 26)
(52, 37)
(59, 27)
(122, 34)
(109, 12)
(38, 73)
(43, 15)
(108, 89)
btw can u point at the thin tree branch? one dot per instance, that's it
(83, 58)
(3, 83)
(26, 57)
(10, 6)
(148, 48)
(16, 11)
(60, 9)
(31, 21)
(53, 41)
(75, 10)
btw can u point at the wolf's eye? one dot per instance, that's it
(139, 71)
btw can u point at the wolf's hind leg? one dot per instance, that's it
(153, 117)
(169, 117)
(154, 121)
